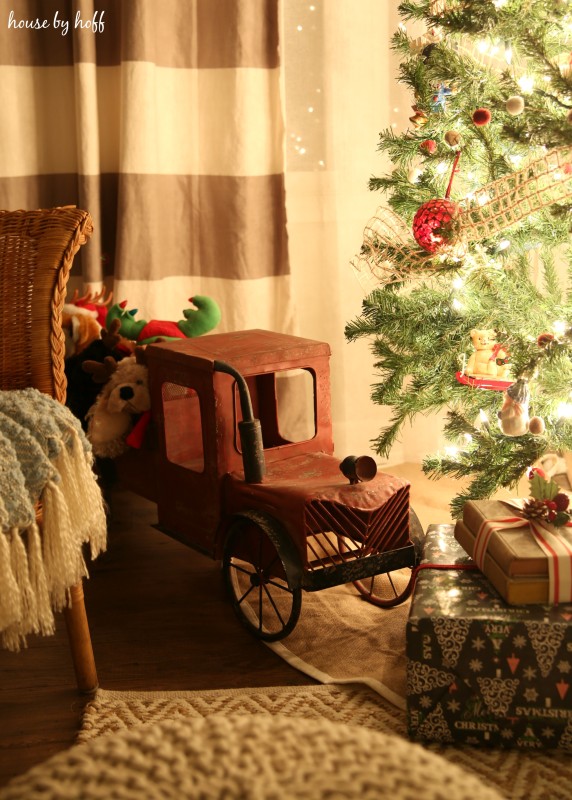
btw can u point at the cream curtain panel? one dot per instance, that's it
(223, 147)
(163, 118)
(341, 90)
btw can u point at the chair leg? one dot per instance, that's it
(80, 642)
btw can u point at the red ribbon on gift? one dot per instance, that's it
(557, 549)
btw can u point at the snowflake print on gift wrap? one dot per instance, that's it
(546, 639)
(564, 666)
(506, 733)
(454, 706)
(547, 733)
(498, 693)
(530, 695)
(475, 665)
(425, 701)
(423, 678)
(451, 635)
(478, 643)
(519, 641)
(529, 673)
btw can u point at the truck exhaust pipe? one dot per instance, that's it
(249, 429)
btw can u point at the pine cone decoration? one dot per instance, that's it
(535, 509)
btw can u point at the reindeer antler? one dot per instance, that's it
(111, 336)
(91, 297)
(101, 300)
(100, 371)
(77, 300)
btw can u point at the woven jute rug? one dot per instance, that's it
(530, 775)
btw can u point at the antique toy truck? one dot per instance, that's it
(239, 460)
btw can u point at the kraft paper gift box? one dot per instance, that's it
(514, 562)
(480, 671)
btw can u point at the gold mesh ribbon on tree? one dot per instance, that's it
(390, 254)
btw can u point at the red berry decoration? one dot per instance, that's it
(544, 339)
(562, 501)
(428, 146)
(536, 426)
(532, 471)
(436, 225)
(482, 116)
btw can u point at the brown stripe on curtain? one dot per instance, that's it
(202, 225)
(95, 192)
(169, 33)
(236, 245)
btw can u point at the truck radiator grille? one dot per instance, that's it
(336, 533)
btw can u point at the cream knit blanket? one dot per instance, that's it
(250, 757)
(44, 458)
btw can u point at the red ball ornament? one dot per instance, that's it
(436, 225)
(482, 116)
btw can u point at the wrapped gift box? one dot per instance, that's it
(480, 671)
(514, 563)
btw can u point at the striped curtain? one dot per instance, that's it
(164, 120)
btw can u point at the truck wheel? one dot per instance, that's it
(392, 588)
(266, 600)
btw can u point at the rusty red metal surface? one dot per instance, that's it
(192, 463)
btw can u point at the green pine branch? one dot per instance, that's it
(517, 281)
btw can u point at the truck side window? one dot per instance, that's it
(285, 404)
(183, 428)
(295, 404)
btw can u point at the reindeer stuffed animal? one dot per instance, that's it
(124, 397)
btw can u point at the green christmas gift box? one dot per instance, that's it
(480, 671)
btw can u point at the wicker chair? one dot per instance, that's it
(36, 253)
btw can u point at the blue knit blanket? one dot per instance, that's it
(45, 459)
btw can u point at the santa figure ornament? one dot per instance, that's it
(513, 416)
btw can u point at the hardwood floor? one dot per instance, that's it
(159, 619)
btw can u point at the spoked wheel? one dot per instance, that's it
(392, 588)
(260, 573)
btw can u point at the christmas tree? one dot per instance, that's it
(467, 263)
